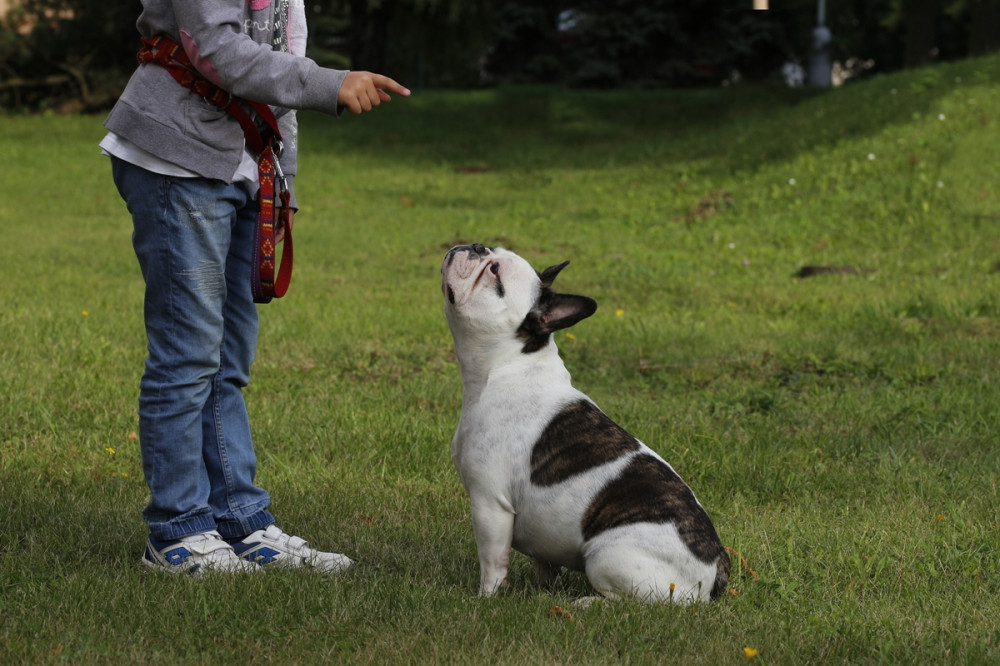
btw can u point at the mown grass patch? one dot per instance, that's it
(840, 428)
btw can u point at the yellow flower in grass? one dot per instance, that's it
(750, 652)
(570, 336)
(110, 450)
(619, 312)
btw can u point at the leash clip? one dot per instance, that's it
(280, 175)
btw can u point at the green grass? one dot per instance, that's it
(841, 429)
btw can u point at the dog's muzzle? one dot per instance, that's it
(473, 255)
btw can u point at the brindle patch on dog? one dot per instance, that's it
(579, 438)
(648, 491)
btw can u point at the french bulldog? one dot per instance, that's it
(547, 472)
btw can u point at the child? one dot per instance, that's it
(190, 184)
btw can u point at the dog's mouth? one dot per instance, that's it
(474, 255)
(464, 265)
(472, 273)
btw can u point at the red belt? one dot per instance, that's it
(264, 141)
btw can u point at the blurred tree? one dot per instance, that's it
(52, 50)
(529, 42)
(71, 53)
(369, 32)
(644, 42)
(984, 26)
(421, 42)
(920, 29)
(663, 42)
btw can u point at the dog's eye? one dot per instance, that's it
(495, 269)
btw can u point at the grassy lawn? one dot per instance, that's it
(841, 429)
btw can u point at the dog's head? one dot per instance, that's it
(495, 300)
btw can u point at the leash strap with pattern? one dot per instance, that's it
(265, 143)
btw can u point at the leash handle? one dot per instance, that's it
(264, 285)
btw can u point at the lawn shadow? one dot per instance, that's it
(516, 128)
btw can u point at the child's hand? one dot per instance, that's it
(279, 226)
(363, 91)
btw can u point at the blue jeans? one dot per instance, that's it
(193, 238)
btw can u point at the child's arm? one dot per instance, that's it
(212, 35)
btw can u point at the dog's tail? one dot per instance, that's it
(721, 575)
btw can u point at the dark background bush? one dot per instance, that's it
(75, 55)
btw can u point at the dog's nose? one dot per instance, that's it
(475, 251)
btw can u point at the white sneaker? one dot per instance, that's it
(206, 552)
(272, 547)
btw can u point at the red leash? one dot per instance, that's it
(264, 142)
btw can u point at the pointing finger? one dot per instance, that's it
(388, 85)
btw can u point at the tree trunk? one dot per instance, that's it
(370, 34)
(984, 31)
(920, 19)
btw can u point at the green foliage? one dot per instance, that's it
(840, 429)
(657, 43)
(526, 43)
(426, 43)
(81, 50)
(439, 45)
(76, 55)
(601, 43)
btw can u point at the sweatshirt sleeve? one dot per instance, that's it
(212, 35)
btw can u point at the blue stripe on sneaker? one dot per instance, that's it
(262, 555)
(242, 546)
(177, 556)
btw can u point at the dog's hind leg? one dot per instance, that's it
(644, 576)
(546, 573)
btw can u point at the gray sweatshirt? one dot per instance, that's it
(244, 47)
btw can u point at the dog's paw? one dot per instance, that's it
(492, 589)
(585, 602)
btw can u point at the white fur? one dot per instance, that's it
(508, 398)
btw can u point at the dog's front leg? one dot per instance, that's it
(493, 525)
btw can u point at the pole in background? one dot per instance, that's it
(820, 67)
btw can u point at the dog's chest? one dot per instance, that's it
(496, 433)
(512, 406)
(546, 460)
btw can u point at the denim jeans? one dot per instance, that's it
(193, 238)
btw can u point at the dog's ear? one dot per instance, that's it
(564, 310)
(548, 276)
(553, 312)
